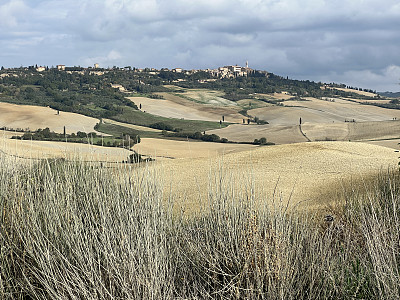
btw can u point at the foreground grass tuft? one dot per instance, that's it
(73, 230)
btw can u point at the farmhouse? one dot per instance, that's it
(118, 86)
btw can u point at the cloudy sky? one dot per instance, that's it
(356, 42)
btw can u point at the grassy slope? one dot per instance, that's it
(144, 119)
(117, 130)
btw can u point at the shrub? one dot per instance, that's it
(261, 141)
(161, 126)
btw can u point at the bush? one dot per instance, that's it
(135, 158)
(161, 126)
(261, 141)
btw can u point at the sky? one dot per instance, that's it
(356, 42)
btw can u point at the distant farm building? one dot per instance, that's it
(118, 86)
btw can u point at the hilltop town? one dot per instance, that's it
(230, 71)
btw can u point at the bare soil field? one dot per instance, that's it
(296, 172)
(177, 107)
(35, 117)
(392, 143)
(170, 149)
(321, 111)
(278, 134)
(287, 134)
(352, 131)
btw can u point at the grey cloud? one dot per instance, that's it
(314, 38)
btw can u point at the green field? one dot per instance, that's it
(133, 116)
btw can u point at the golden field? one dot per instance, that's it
(294, 169)
(35, 117)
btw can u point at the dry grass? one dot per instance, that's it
(368, 94)
(392, 143)
(298, 172)
(35, 117)
(70, 230)
(352, 131)
(170, 149)
(278, 134)
(37, 150)
(320, 111)
(209, 97)
(173, 106)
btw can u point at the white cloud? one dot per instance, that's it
(112, 58)
(11, 13)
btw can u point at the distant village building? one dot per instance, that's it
(177, 70)
(234, 69)
(96, 66)
(230, 71)
(61, 67)
(98, 73)
(40, 69)
(118, 86)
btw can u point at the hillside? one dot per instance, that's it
(299, 172)
(221, 213)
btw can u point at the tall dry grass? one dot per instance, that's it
(74, 230)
